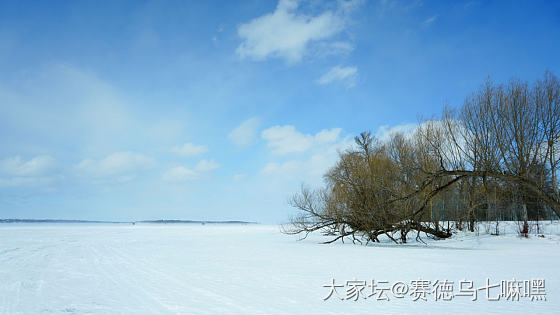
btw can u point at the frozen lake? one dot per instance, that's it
(252, 269)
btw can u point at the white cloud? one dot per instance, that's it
(183, 173)
(325, 49)
(119, 166)
(206, 165)
(317, 153)
(327, 136)
(239, 177)
(36, 171)
(346, 75)
(190, 149)
(281, 175)
(287, 33)
(246, 133)
(312, 168)
(179, 174)
(15, 166)
(27, 181)
(321, 153)
(275, 168)
(429, 20)
(286, 139)
(385, 132)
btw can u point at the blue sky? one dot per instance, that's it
(218, 110)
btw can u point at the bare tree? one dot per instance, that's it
(501, 146)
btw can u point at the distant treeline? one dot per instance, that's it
(55, 221)
(121, 222)
(194, 221)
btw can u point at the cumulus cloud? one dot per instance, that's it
(119, 166)
(15, 166)
(327, 136)
(346, 75)
(287, 33)
(312, 168)
(190, 149)
(385, 132)
(206, 165)
(286, 139)
(318, 153)
(246, 133)
(182, 173)
(14, 171)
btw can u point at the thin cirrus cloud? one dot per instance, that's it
(78, 100)
(246, 133)
(339, 74)
(427, 22)
(287, 33)
(190, 149)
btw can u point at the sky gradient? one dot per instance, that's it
(220, 110)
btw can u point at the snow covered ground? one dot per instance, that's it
(253, 269)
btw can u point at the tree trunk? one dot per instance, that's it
(429, 230)
(525, 230)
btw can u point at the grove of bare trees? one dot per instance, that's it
(494, 158)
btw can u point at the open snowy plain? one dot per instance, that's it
(254, 269)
